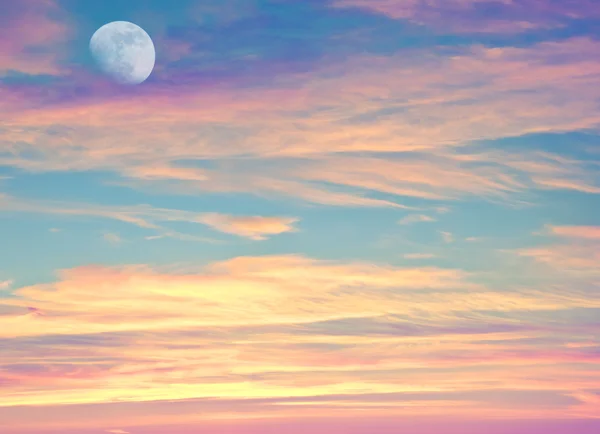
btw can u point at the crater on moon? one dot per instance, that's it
(123, 51)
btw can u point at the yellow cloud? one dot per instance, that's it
(258, 291)
(280, 327)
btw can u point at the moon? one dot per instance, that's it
(123, 51)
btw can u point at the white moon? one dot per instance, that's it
(123, 51)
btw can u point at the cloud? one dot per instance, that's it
(566, 184)
(581, 232)
(447, 237)
(30, 38)
(5, 284)
(275, 329)
(565, 257)
(260, 291)
(117, 431)
(294, 335)
(415, 218)
(142, 216)
(579, 252)
(112, 238)
(478, 16)
(147, 217)
(417, 142)
(419, 256)
(588, 404)
(253, 227)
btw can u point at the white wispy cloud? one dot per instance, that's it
(419, 256)
(415, 218)
(152, 218)
(112, 238)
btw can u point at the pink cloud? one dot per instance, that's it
(29, 26)
(473, 16)
(431, 107)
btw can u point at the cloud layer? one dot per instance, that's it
(269, 328)
(393, 205)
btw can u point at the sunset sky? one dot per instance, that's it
(315, 216)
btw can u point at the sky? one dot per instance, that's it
(326, 216)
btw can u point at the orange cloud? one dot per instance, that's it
(588, 406)
(566, 257)
(584, 232)
(580, 251)
(253, 227)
